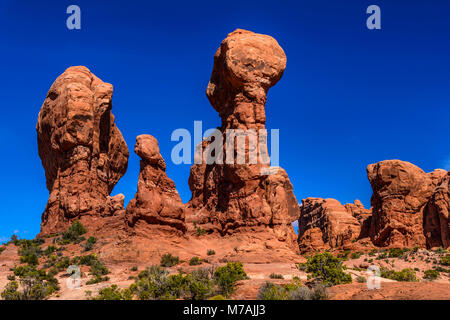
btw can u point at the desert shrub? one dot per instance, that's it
(152, 283)
(355, 255)
(90, 243)
(445, 260)
(134, 268)
(200, 231)
(97, 269)
(440, 250)
(113, 293)
(405, 275)
(97, 279)
(327, 269)
(14, 239)
(431, 274)
(396, 253)
(276, 276)
(302, 266)
(195, 261)
(218, 297)
(227, 275)
(33, 284)
(11, 291)
(210, 252)
(49, 250)
(343, 255)
(29, 251)
(2, 248)
(11, 277)
(271, 291)
(73, 234)
(318, 292)
(361, 279)
(168, 260)
(199, 284)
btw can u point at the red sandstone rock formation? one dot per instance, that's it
(437, 219)
(83, 152)
(157, 202)
(325, 223)
(400, 194)
(228, 197)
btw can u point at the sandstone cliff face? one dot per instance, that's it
(157, 201)
(400, 194)
(326, 223)
(82, 150)
(437, 219)
(227, 197)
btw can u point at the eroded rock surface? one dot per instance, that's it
(157, 202)
(82, 150)
(228, 197)
(326, 223)
(400, 194)
(437, 219)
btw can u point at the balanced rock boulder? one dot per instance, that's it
(437, 215)
(157, 202)
(227, 197)
(326, 223)
(82, 150)
(401, 192)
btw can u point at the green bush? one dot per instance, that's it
(304, 293)
(292, 291)
(199, 284)
(33, 284)
(361, 279)
(355, 255)
(134, 268)
(113, 293)
(2, 248)
(73, 234)
(152, 283)
(431, 274)
(90, 243)
(271, 291)
(276, 276)
(210, 252)
(29, 251)
(200, 231)
(168, 260)
(49, 250)
(327, 269)
(396, 253)
(195, 261)
(405, 275)
(445, 260)
(226, 276)
(218, 297)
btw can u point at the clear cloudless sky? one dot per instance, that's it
(349, 96)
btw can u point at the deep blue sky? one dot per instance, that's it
(349, 96)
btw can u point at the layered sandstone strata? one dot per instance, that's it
(82, 150)
(326, 223)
